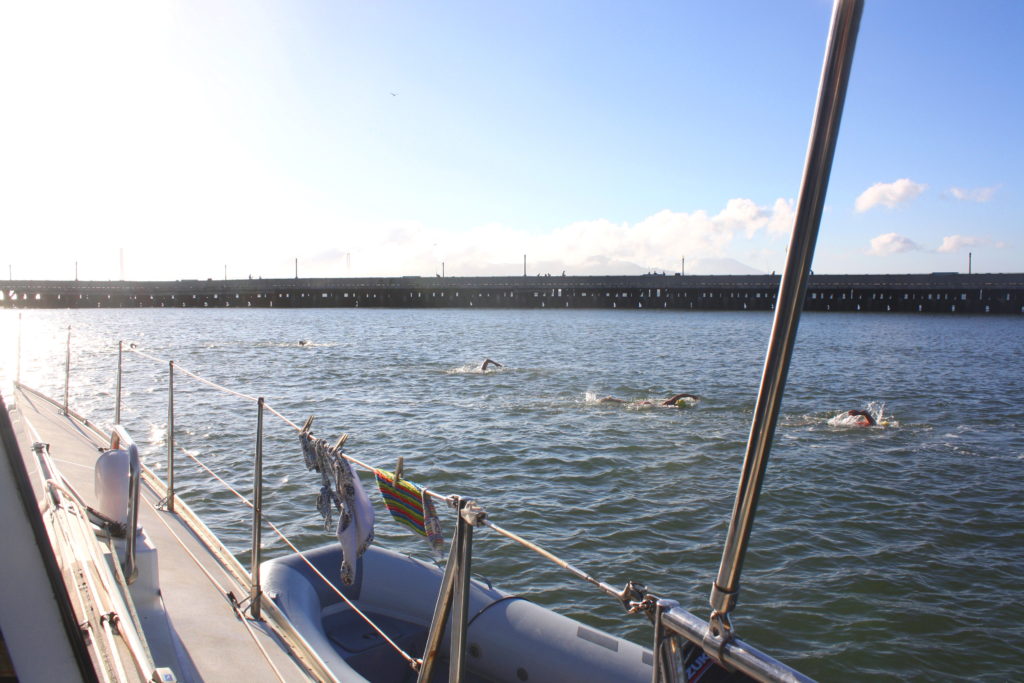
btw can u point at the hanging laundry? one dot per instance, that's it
(341, 490)
(412, 507)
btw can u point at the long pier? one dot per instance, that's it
(1001, 293)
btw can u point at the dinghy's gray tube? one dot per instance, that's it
(517, 640)
(508, 639)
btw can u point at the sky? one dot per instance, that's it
(212, 139)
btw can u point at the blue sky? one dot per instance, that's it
(176, 140)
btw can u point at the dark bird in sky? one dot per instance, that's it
(394, 94)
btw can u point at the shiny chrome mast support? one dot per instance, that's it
(453, 596)
(735, 653)
(67, 370)
(835, 76)
(715, 636)
(17, 375)
(256, 592)
(117, 389)
(170, 436)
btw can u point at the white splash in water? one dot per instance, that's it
(876, 409)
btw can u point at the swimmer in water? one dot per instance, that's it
(679, 400)
(864, 418)
(487, 363)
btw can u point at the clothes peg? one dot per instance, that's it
(341, 442)
(307, 425)
(399, 469)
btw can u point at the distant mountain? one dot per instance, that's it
(603, 266)
(719, 266)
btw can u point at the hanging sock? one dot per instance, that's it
(341, 490)
(412, 507)
(355, 527)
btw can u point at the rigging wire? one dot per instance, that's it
(602, 586)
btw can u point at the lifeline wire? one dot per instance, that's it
(284, 538)
(404, 654)
(604, 587)
(134, 349)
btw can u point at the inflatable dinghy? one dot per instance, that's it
(508, 637)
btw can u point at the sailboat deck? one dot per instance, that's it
(203, 637)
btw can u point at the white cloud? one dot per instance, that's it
(783, 215)
(978, 194)
(889, 194)
(891, 243)
(282, 221)
(599, 246)
(954, 243)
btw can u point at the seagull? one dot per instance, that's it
(394, 94)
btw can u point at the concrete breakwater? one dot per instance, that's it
(928, 293)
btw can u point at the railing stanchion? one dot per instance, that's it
(835, 75)
(667, 647)
(17, 376)
(67, 370)
(131, 568)
(257, 515)
(170, 436)
(460, 609)
(454, 590)
(443, 606)
(117, 388)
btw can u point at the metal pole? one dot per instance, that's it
(735, 653)
(170, 436)
(117, 391)
(441, 609)
(792, 291)
(67, 370)
(119, 438)
(131, 569)
(454, 591)
(17, 376)
(460, 609)
(667, 649)
(257, 515)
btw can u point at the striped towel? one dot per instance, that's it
(412, 507)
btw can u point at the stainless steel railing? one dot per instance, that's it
(716, 636)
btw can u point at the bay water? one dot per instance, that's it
(895, 552)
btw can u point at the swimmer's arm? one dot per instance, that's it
(671, 401)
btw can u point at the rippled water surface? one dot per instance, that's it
(893, 553)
